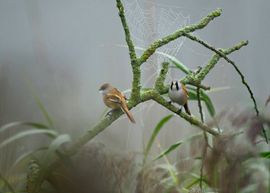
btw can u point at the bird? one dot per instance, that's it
(115, 99)
(178, 94)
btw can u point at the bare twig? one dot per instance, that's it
(221, 54)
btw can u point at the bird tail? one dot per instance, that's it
(187, 109)
(128, 113)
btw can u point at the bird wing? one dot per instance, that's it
(116, 96)
(113, 98)
(184, 88)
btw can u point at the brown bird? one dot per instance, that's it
(115, 99)
(178, 94)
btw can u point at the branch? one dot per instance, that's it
(165, 40)
(192, 120)
(130, 44)
(135, 92)
(195, 79)
(200, 104)
(221, 54)
(215, 58)
(159, 84)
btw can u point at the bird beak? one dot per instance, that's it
(101, 91)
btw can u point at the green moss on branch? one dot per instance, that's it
(135, 92)
(167, 39)
(159, 84)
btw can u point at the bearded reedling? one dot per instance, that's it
(115, 99)
(178, 94)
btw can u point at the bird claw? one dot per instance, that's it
(109, 113)
(179, 111)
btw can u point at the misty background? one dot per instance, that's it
(63, 50)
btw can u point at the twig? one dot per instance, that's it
(200, 104)
(191, 28)
(205, 137)
(159, 84)
(221, 54)
(192, 120)
(215, 58)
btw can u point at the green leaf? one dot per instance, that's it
(44, 111)
(157, 129)
(40, 105)
(23, 134)
(208, 102)
(175, 145)
(173, 59)
(171, 148)
(176, 62)
(265, 154)
(204, 97)
(18, 123)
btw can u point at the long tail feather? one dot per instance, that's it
(128, 113)
(187, 109)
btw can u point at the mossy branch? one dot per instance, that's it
(192, 120)
(221, 54)
(167, 39)
(159, 84)
(135, 92)
(196, 78)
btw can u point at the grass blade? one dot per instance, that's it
(208, 103)
(157, 129)
(40, 105)
(18, 123)
(167, 151)
(23, 134)
(204, 97)
(44, 111)
(177, 144)
(265, 154)
(173, 59)
(176, 62)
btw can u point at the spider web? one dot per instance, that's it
(149, 21)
